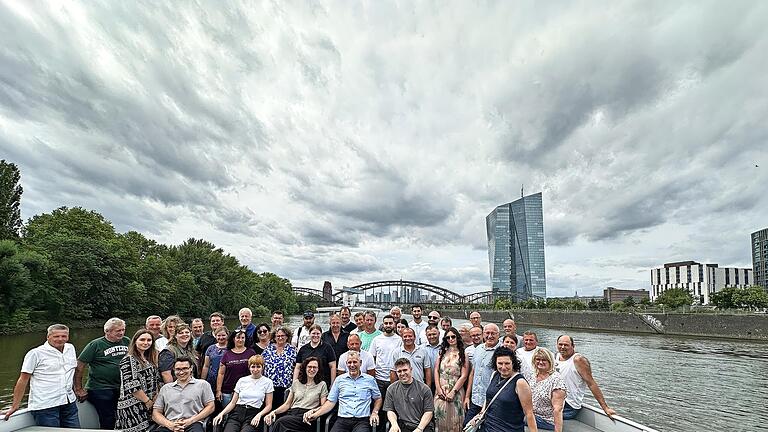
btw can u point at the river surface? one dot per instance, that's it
(670, 383)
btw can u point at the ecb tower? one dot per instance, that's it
(516, 248)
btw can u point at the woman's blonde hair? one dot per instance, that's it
(543, 353)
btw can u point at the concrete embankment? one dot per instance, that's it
(751, 327)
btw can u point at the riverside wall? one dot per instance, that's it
(751, 327)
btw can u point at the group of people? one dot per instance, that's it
(422, 375)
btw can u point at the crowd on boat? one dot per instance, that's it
(422, 375)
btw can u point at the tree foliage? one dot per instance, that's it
(675, 298)
(753, 298)
(10, 201)
(70, 264)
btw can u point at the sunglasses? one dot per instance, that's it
(433, 317)
(449, 337)
(263, 331)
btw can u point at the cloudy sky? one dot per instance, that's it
(357, 141)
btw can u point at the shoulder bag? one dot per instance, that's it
(470, 427)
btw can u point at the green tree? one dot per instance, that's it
(67, 222)
(725, 298)
(675, 298)
(17, 285)
(629, 302)
(10, 201)
(276, 293)
(753, 298)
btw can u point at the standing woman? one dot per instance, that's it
(548, 391)
(279, 359)
(233, 365)
(320, 350)
(262, 338)
(450, 377)
(308, 392)
(213, 356)
(167, 330)
(180, 345)
(508, 404)
(138, 384)
(251, 400)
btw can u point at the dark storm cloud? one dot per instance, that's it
(378, 200)
(158, 135)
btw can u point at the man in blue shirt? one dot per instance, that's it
(353, 391)
(482, 369)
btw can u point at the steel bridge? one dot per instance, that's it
(447, 296)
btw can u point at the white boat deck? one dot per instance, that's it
(590, 419)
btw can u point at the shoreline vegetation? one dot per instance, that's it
(70, 265)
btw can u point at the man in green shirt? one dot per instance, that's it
(103, 357)
(370, 330)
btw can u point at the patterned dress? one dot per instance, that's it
(132, 414)
(449, 416)
(279, 368)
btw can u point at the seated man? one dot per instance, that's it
(353, 391)
(409, 403)
(183, 405)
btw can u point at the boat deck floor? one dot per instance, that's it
(568, 426)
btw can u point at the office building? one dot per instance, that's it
(616, 295)
(515, 233)
(760, 257)
(701, 280)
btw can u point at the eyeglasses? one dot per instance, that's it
(280, 336)
(263, 331)
(433, 317)
(450, 337)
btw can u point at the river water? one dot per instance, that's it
(670, 383)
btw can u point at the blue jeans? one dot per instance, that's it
(105, 402)
(471, 412)
(569, 412)
(225, 398)
(64, 416)
(543, 424)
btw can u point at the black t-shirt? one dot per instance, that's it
(340, 346)
(349, 327)
(324, 353)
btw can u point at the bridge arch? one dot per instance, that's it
(447, 294)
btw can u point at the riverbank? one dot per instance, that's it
(744, 327)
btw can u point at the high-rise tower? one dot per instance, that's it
(760, 257)
(516, 248)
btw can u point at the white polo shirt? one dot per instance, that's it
(52, 376)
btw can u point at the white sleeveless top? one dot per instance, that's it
(574, 383)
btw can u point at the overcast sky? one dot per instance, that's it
(355, 142)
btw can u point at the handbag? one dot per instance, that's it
(470, 427)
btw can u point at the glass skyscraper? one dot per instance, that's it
(516, 248)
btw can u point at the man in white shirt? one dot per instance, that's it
(49, 370)
(367, 365)
(433, 318)
(301, 335)
(525, 352)
(382, 348)
(418, 324)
